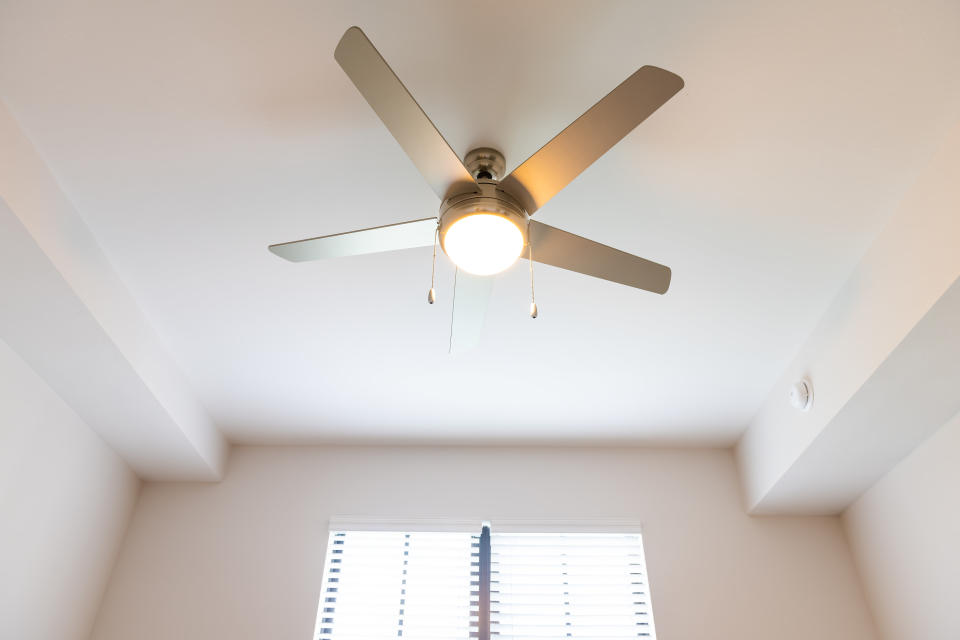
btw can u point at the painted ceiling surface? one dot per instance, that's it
(190, 135)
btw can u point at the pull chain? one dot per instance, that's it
(533, 299)
(453, 309)
(432, 294)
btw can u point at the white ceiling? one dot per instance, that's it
(190, 135)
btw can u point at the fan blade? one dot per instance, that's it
(403, 235)
(590, 136)
(565, 250)
(471, 296)
(380, 86)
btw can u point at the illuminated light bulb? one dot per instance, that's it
(483, 243)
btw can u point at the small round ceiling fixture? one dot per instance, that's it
(801, 395)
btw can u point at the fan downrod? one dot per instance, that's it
(485, 163)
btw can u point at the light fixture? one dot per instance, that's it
(801, 395)
(483, 243)
(483, 232)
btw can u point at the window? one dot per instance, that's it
(460, 585)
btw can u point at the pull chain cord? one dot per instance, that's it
(453, 309)
(533, 299)
(432, 294)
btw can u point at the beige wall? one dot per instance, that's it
(65, 500)
(242, 559)
(905, 534)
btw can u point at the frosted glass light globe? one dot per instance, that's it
(483, 243)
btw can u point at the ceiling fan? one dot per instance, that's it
(484, 221)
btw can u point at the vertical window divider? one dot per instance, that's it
(484, 608)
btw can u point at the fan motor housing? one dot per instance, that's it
(490, 200)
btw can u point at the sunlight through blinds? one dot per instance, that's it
(380, 585)
(569, 586)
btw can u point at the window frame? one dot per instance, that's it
(602, 526)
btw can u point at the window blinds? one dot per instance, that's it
(389, 584)
(432, 585)
(568, 586)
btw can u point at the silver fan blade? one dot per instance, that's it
(403, 235)
(565, 250)
(590, 136)
(377, 82)
(471, 296)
